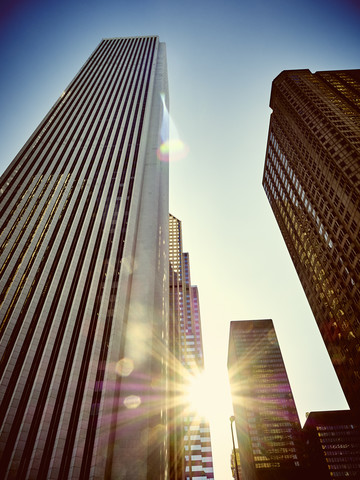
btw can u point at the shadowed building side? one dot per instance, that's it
(333, 444)
(267, 424)
(312, 181)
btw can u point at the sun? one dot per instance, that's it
(200, 395)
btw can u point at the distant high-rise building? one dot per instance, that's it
(175, 365)
(267, 424)
(333, 444)
(184, 310)
(312, 181)
(84, 277)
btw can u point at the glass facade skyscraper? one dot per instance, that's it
(267, 424)
(84, 277)
(312, 180)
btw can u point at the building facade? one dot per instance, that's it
(267, 424)
(84, 277)
(333, 444)
(235, 465)
(312, 181)
(194, 442)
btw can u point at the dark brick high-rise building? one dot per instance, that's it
(312, 181)
(333, 444)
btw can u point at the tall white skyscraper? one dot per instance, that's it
(84, 277)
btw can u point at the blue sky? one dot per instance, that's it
(222, 58)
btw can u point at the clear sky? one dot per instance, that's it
(222, 58)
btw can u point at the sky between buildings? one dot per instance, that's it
(222, 58)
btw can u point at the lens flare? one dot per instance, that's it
(201, 396)
(171, 146)
(124, 367)
(132, 401)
